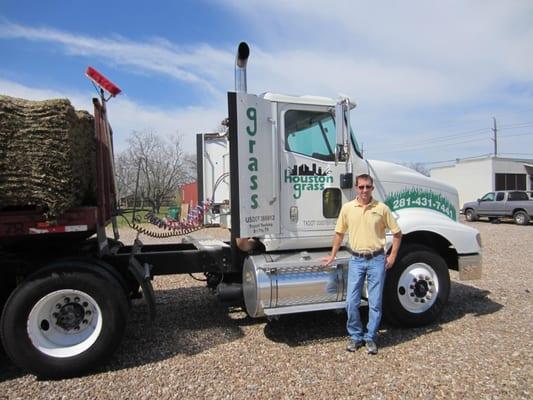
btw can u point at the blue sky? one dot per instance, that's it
(427, 76)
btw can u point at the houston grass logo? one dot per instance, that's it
(304, 178)
(413, 198)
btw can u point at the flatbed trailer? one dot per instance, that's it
(66, 286)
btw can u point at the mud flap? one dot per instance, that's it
(142, 274)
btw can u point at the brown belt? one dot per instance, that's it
(367, 254)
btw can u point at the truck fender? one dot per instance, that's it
(464, 239)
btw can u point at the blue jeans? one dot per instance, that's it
(374, 270)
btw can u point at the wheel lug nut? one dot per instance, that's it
(412, 294)
(412, 286)
(85, 304)
(67, 300)
(85, 321)
(414, 280)
(416, 300)
(55, 315)
(77, 299)
(58, 306)
(76, 328)
(87, 312)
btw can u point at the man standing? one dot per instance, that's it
(365, 219)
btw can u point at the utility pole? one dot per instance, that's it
(495, 139)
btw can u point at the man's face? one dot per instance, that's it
(364, 189)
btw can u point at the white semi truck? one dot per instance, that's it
(292, 164)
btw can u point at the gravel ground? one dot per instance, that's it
(480, 348)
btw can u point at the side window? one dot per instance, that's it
(500, 196)
(488, 197)
(331, 202)
(517, 196)
(310, 133)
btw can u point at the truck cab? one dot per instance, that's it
(293, 164)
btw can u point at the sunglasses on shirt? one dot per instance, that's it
(361, 187)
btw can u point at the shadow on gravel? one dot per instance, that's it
(191, 320)
(309, 328)
(188, 321)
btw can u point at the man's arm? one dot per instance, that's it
(337, 241)
(391, 258)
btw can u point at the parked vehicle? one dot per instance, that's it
(501, 204)
(292, 165)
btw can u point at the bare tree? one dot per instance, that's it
(161, 166)
(125, 178)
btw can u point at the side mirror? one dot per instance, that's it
(342, 124)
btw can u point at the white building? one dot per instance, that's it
(475, 177)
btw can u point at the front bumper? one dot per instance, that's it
(470, 266)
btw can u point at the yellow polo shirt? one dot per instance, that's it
(366, 226)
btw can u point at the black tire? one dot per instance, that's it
(90, 303)
(521, 218)
(416, 288)
(470, 215)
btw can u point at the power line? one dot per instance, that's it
(518, 134)
(441, 141)
(425, 146)
(517, 125)
(474, 132)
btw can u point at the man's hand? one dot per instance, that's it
(328, 260)
(390, 261)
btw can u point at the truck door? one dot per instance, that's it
(486, 204)
(499, 204)
(311, 194)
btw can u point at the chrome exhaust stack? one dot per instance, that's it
(243, 52)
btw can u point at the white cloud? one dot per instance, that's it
(395, 52)
(411, 66)
(126, 116)
(198, 65)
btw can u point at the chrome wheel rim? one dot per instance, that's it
(418, 288)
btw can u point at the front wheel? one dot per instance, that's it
(63, 323)
(416, 288)
(521, 218)
(470, 215)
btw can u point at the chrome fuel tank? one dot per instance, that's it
(285, 283)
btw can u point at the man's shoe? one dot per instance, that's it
(354, 345)
(371, 347)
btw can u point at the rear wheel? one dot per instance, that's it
(417, 287)
(470, 215)
(521, 218)
(63, 323)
